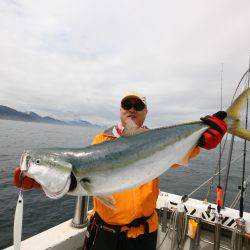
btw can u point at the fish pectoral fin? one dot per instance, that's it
(107, 200)
(185, 159)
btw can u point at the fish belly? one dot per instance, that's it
(124, 178)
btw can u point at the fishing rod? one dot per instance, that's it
(232, 142)
(219, 194)
(237, 197)
(229, 161)
(240, 228)
(243, 183)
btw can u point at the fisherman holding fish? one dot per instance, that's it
(127, 219)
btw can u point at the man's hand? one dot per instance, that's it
(214, 134)
(24, 182)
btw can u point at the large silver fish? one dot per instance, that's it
(124, 163)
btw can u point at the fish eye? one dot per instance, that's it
(38, 161)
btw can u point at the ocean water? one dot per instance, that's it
(41, 213)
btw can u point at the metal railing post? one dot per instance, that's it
(81, 212)
(198, 236)
(181, 226)
(217, 231)
(164, 219)
(238, 239)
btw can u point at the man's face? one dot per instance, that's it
(137, 116)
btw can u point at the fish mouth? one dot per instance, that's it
(24, 161)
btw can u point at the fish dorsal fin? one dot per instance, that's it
(132, 129)
(107, 200)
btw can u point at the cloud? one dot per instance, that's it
(75, 59)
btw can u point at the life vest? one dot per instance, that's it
(130, 204)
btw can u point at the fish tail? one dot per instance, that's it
(234, 121)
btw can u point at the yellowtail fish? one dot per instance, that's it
(117, 165)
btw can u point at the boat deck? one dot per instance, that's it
(64, 236)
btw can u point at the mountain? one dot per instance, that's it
(33, 115)
(12, 114)
(80, 123)
(7, 113)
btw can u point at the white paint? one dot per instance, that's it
(60, 237)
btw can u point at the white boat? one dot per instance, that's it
(214, 230)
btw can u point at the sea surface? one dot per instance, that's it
(41, 213)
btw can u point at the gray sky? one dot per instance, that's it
(74, 59)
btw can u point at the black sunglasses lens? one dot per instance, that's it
(139, 106)
(127, 105)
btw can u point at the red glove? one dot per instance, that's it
(214, 134)
(24, 182)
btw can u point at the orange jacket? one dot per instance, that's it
(132, 204)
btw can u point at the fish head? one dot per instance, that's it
(48, 170)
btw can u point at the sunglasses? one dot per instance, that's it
(138, 105)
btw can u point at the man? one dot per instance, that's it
(133, 224)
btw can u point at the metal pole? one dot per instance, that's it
(228, 168)
(81, 212)
(181, 226)
(220, 155)
(164, 220)
(198, 236)
(244, 157)
(237, 244)
(217, 229)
